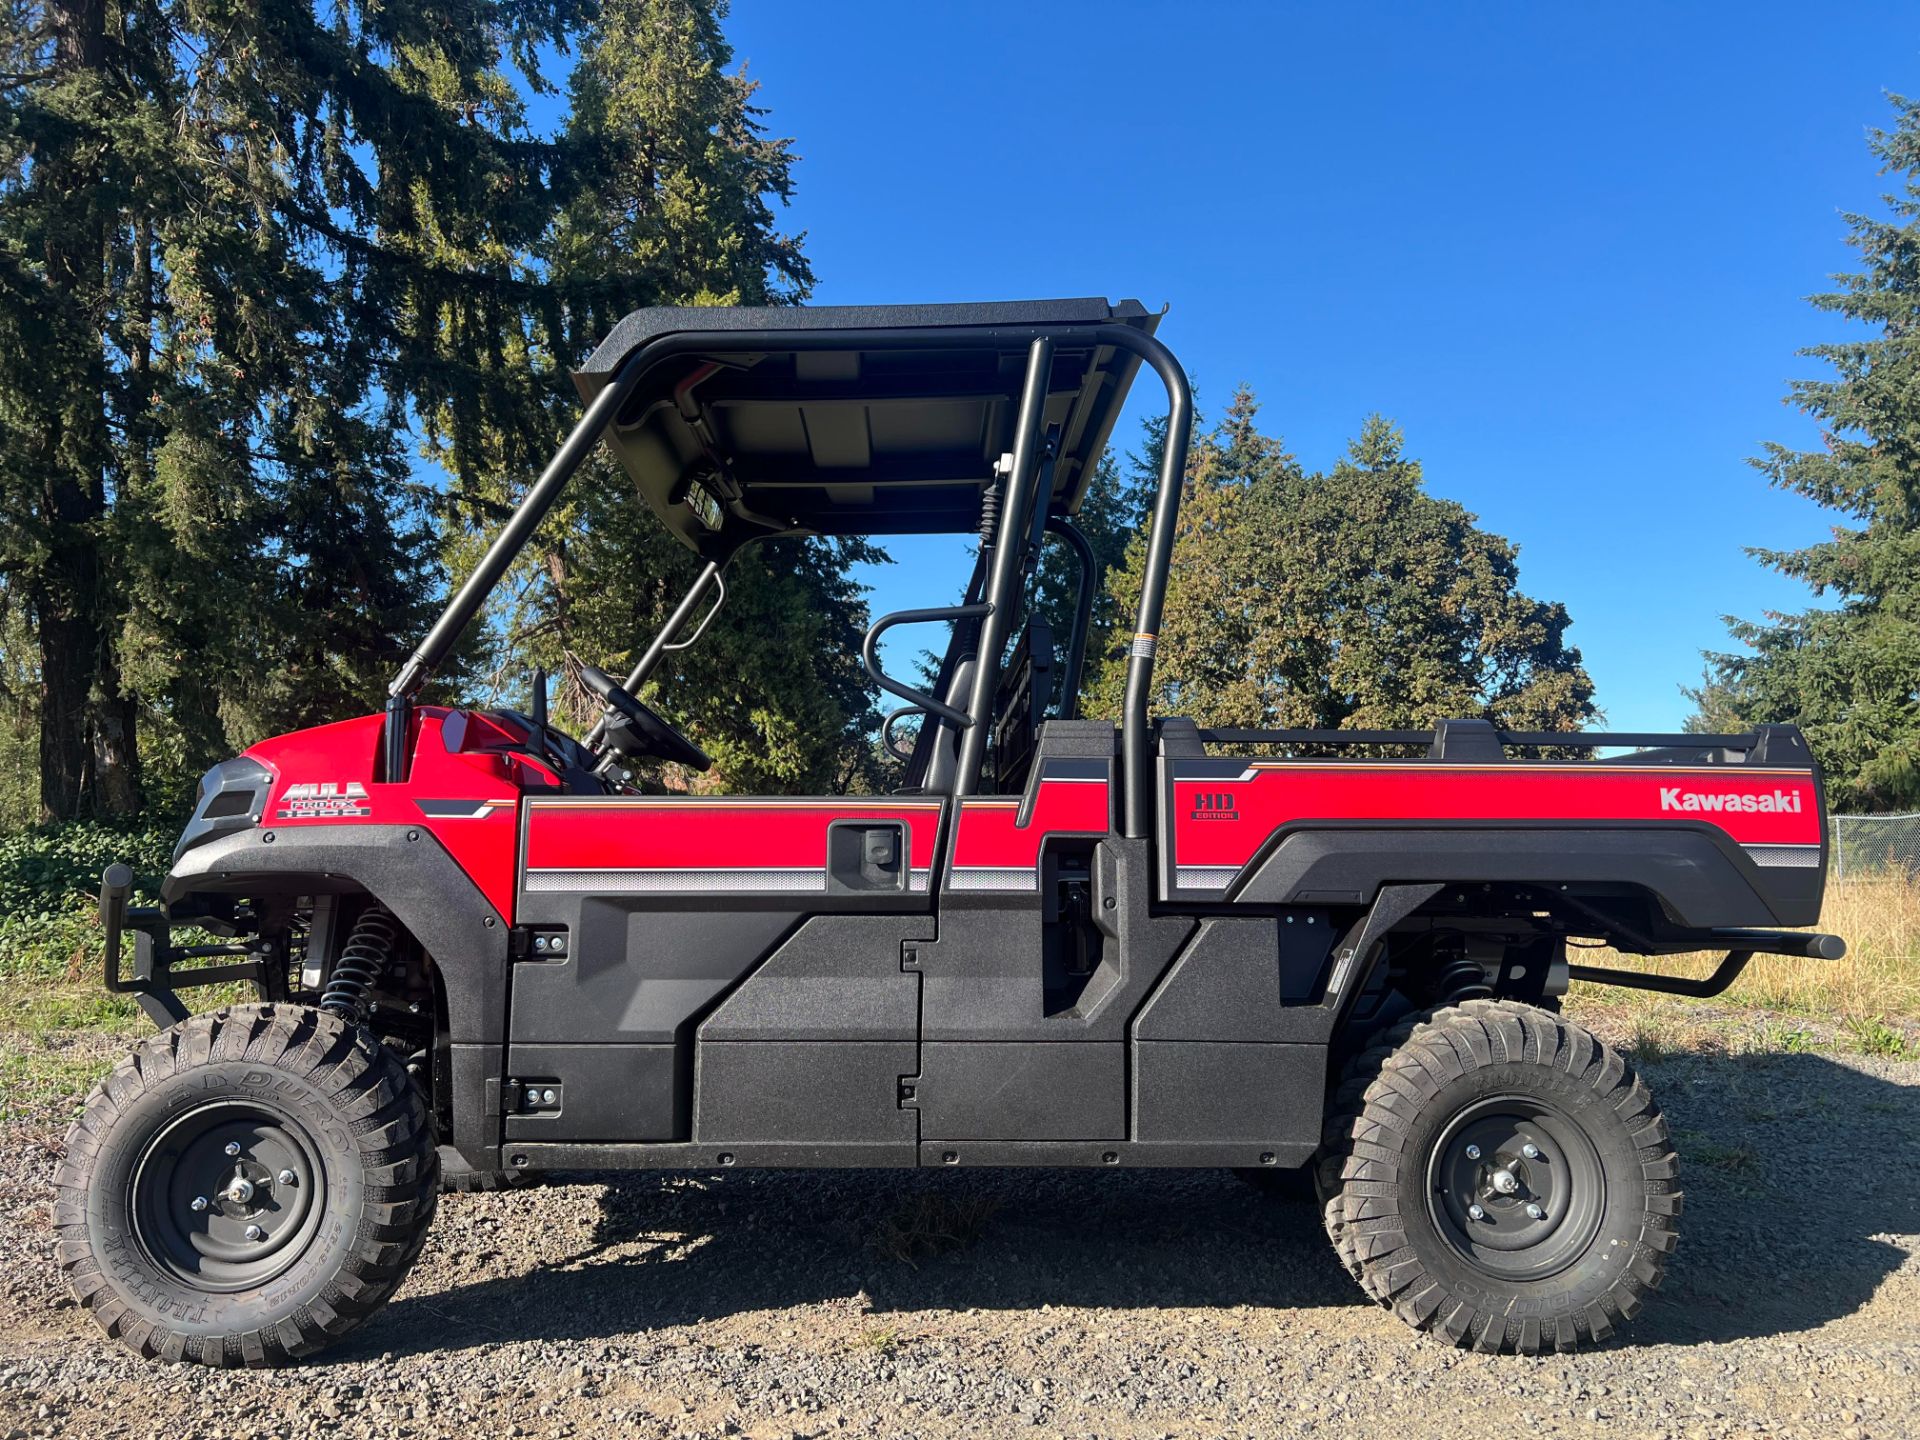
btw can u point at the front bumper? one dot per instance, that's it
(152, 979)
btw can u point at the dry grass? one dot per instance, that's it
(1879, 919)
(1868, 1002)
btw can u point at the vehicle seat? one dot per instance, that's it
(1021, 705)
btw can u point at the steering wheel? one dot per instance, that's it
(657, 738)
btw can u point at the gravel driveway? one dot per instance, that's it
(1111, 1304)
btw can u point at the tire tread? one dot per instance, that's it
(1370, 1119)
(383, 1110)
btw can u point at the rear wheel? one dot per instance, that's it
(246, 1187)
(1500, 1178)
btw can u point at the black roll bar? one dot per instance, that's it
(1136, 737)
(506, 547)
(1009, 562)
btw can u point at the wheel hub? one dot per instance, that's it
(1515, 1188)
(228, 1196)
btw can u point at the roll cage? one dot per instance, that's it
(742, 424)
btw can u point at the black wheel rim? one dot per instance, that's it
(228, 1195)
(1515, 1187)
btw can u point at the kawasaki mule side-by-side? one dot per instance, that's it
(482, 954)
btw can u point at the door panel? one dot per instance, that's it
(666, 904)
(1046, 947)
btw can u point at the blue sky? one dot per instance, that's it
(1565, 247)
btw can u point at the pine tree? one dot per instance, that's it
(235, 249)
(1346, 599)
(1849, 673)
(679, 211)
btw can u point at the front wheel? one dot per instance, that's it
(1500, 1178)
(246, 1188)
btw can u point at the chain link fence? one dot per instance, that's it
(1874, 845)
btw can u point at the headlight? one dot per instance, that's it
(232, 796)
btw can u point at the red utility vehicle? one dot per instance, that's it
(482, 953)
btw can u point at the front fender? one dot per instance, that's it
(405, 869)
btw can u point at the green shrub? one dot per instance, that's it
(50, 883)
(45, 871)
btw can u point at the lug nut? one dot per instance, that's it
(1534, 1212)
(199, 1203)
(1476, 1212)
(1532, 1152)
(233, 1147)
(254, 1232)
(286, 1177)
(1473, 1152)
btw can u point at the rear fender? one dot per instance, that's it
(1700, 877)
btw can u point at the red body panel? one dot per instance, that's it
(701, 843)
(467, 798)
(1222, 823)
(992, 850)
(466, 788)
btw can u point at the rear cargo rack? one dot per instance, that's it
(1478, 740)
(1516, 739)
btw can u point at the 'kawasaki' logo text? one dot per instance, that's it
(1787, 802)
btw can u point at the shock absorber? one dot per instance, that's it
(363, 960)
(1462, 979)
(990, 514)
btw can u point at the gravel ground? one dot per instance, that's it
(1111, 1304)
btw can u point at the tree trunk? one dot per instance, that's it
(88, 764)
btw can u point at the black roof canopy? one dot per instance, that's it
(855, 419)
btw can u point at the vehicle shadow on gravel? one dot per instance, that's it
(1796, 1169)
(677, 1250)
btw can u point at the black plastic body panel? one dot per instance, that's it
(608, 1092)
(633, 975)
(1244, 980)
(1701, 877)
(404, 868)
(1016, 1090)
(818, 1091)
(1265, 1094)
(838, 977)
(983, 981)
